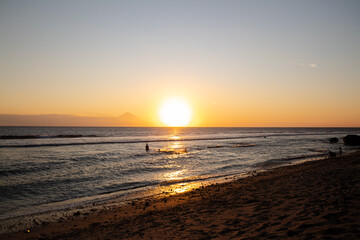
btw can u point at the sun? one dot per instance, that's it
(175, 112)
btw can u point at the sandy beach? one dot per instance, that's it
(312, 200)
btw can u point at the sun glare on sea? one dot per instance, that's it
(175, 112)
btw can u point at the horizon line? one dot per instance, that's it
(177, 127)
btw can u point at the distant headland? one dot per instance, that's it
(125, 120)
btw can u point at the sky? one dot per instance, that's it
(238, 63)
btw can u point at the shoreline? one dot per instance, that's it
(313, 199)
(33, 219)
(17, 223)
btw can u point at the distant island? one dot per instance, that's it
(125, 120)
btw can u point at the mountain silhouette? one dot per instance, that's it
(129, 119)
(125, 120)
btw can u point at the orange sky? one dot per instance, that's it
(246, 63)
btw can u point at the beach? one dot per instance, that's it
(313, 200)
(179, 120)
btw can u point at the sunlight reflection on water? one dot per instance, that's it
(173, 149)
(174, 175)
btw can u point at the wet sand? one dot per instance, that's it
(313, 200)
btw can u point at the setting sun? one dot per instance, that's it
(175, 112)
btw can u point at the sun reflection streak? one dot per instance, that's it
(183, 188)
(176, 145)
(174, 149)
(174, 179)
(175, 137)
(174, 175)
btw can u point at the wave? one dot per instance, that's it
(317, 150)
(198, 178)
(17, 169)
(112, 142)
(133, 141)
(232, 166)
(7, 137)
(276, 161)
(128, 186)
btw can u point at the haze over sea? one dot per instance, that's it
(51, 168)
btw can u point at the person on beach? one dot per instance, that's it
(147, 148)
(340, 151)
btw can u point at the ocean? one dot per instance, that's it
(53, 168)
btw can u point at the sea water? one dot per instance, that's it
(49, 168)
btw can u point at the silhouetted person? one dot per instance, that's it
(340, 151)
(147, 148)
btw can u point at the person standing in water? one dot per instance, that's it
(340, 151)
(147, 148)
